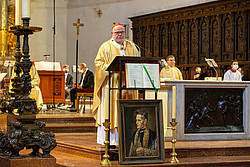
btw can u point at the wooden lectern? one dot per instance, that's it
(47, 72)
(118, 65)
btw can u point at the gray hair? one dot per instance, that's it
(142, 112)
(83, 65)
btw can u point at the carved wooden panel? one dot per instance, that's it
(155, 41)
(218, 30)
(138, 38)
(215, 38)
(182, 46)
(173, 40)
(248, 36)
(227, 38)
(193, 45)
(204, 39)
(146, 40)
(241, 36)
(164, 41)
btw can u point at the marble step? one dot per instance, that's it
(97, 154)
(69, 160)
(70, 128)
(85, 144)
(65, 119)
(68, 124)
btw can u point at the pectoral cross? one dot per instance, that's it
(78, 24)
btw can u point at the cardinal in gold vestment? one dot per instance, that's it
(116, 46)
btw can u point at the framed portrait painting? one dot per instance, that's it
(140, 131)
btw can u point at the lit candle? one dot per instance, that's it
(25, 8)
(173, 102)
(18, 12)
(106, 99)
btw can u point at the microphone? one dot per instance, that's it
(162, 63)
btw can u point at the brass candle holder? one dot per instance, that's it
(105, 161)
(173, 158)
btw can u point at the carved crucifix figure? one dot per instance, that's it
(78, 24)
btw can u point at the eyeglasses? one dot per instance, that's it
(119, 32)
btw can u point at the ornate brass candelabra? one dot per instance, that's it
(173, 158)
(28, 131)
(105, 161)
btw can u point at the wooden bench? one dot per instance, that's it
(80, 93)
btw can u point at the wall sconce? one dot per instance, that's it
(98, 11)
(46, 57)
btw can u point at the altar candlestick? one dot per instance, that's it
(106, 102)
(25, 8)
(173, 102)
(18, 12)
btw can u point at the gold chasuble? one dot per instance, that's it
(106, 54)
(171, 73)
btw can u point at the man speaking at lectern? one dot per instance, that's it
(116, 46)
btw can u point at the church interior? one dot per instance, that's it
(198, 122)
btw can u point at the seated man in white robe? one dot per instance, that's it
(233, 74)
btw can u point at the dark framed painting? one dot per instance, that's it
(140, 130)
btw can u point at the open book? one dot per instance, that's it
(142, 75)
(47, 66)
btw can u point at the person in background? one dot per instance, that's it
(233, 74)
(243, 76)
(170, 72)
(198, 74)
(68, 82)
(86, 82)
(116, 46)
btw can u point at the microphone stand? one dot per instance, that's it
(212, 64)
(54, 52)
(53, 108)
(216, 73)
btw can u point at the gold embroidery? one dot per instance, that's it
(145, 140)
